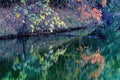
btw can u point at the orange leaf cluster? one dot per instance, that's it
(96, 14)
(87, 12)
(84, 57)
(86, 15)
(95, 58)
(79, 8)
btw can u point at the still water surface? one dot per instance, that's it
(60, 58)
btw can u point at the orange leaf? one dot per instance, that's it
(79, 0)
(96, 14)
(86, 15)
(79, 8)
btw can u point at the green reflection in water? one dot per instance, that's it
(61, 58)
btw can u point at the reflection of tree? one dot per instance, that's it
(76, 65)
(95, 59)
(67, 62)
(23, 43)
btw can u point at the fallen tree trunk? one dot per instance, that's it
(37, 33)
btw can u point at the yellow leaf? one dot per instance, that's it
(17, 15)
(56, 17)
(32, 26)
(53, 22)
(35, 22)
(22, 1)
(42, 16)
(16, 60)
(46, 23)
(51, 30)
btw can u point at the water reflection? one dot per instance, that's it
(60, 58)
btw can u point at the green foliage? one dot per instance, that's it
(45, 18)
(64, 62)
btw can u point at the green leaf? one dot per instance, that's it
(22, 1)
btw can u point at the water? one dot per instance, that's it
(61, 57)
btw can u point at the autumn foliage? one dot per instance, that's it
(88, 12)
(95, 59)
